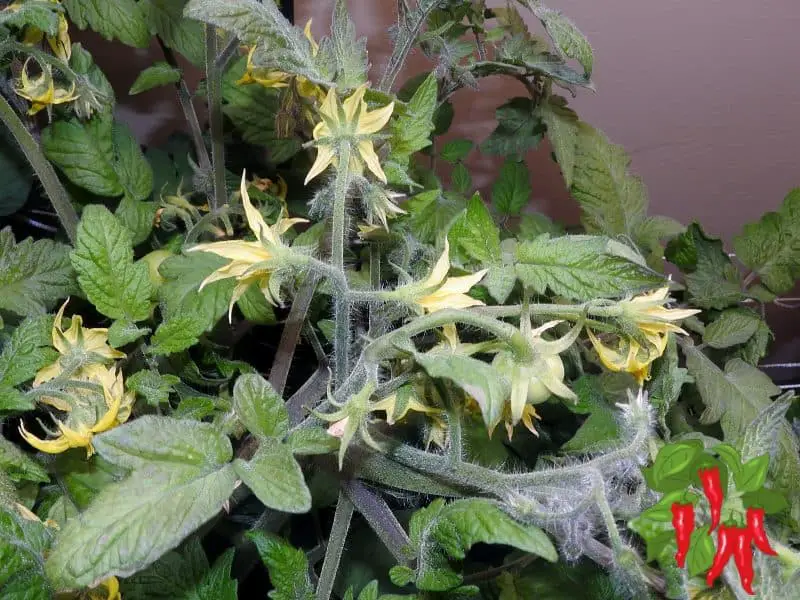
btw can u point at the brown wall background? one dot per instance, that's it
(703, 94)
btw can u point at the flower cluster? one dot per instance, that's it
(42, 90)
(82, 386)
(654, 323)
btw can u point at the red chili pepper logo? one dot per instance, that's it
(677, 470)
(712, 488)
(683, 522)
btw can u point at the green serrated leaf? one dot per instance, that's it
(275, 478)
(411, 132)
(582, 267)
(287, 566)
(18, 465)
(26, 351)
(519, 129)
(22, 546)
(120, 20)
(41, 14)
(181, 475)
(103, 259)
(307, 442)
(499, 281)
(732, 327)
(477, 378)
(343, 53)
(457, 526)
(165, 19)
(154, 387)
(475, 233)
(566, 36)
(512, 189)
(562, 131)
(713, 281)
(456, 150)
(156, 75)
(84, 479)
(34, 275)
(255, 308)
(132, 523)
(600, 430)
(152, 442)
(188, 313)
(770, 247)
(173, 577)
(461, 179)
(256, 22)
(124, 332)
(260, 407)
(613, 201)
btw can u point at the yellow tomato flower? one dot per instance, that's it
(275, 78)
(649, 314)
(271, 78)
(351, 122)
(655, 322)
(83, 422)
(249, 261)
(60, 43)
(41, 91)
(439, 291)
(77, 339)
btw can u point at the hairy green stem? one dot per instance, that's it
(189, 113)
(454, 433)
(215, 117)
(409, 25)
(43, 169)
(341, 345)
(291, 333)
(378, 349)
(381, 519)
(333, 553)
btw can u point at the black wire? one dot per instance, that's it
(287, 8)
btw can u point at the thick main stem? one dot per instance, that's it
(333, 553)
(341, 345)
(215, 117)
(43, 169)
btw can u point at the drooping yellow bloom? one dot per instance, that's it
(351, 122)
(439, 291)
(84, 418)
(41, 91)
(93, 343)
(275, 78)
(249, 261)
(60, 43)
(270, 78)
(655, 322)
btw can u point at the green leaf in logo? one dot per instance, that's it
(701, 552)
(753, 474)
(672, 468)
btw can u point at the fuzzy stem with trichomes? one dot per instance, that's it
(43, 169)
(333, 552)
(341, 345)
(216, 119)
